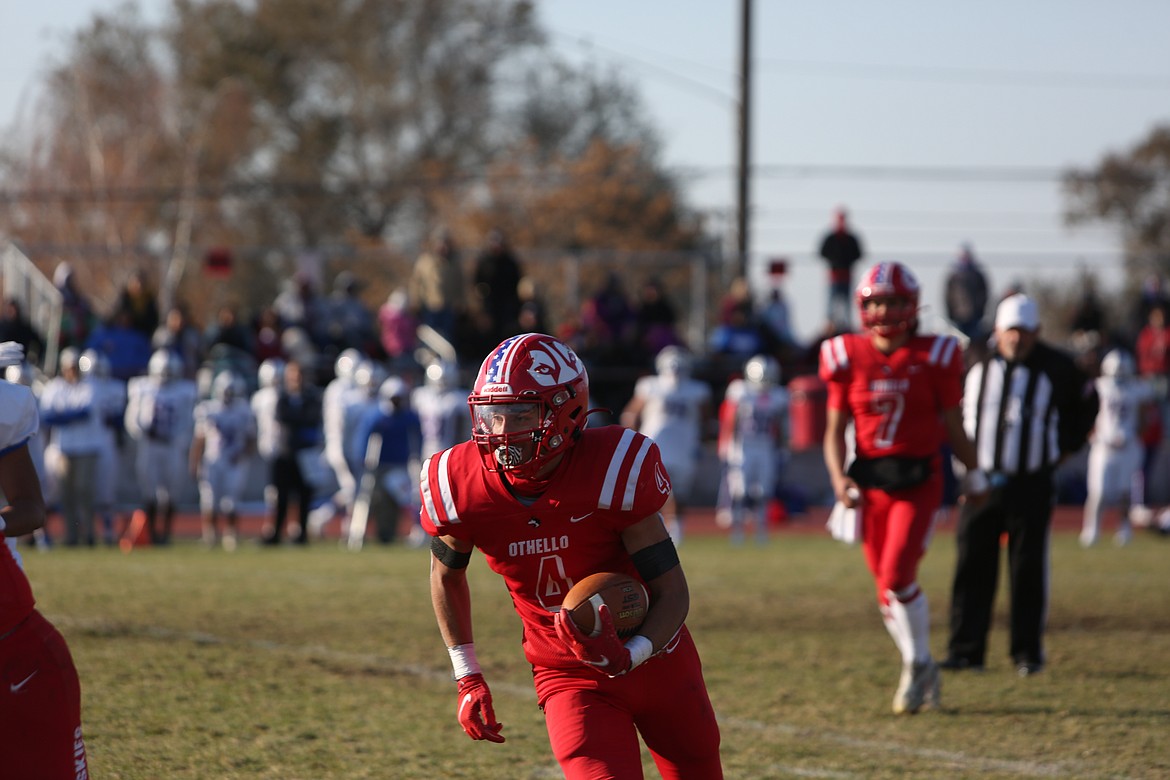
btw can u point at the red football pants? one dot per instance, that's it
(593, 721)
(40, 705)
(895, 531)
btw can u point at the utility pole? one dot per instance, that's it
(743, 191)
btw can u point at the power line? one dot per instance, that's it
(986, 76)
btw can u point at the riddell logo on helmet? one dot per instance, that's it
(498, 388)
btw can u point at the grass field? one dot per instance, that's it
(317, 663)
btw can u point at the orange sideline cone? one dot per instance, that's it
(137, 534)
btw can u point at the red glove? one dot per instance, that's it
(475, 709)
(606, 653)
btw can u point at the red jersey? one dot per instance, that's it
(896, 400)
(612, 479)
(18, 423)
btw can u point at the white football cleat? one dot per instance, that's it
(919, 686)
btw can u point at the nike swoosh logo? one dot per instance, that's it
(15, 687)
(579, 519)
(603, 662)
(464, 703)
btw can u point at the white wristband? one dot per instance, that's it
(463, 660)
(640, 649)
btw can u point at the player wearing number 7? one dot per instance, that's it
(902, 390)
(548, 502)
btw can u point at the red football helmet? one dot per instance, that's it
(529, 404)
(895, 282)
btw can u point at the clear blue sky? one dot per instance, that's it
(894, 109)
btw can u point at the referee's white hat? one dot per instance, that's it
(1017, 311)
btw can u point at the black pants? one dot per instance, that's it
(288, 479)
(1022, 509)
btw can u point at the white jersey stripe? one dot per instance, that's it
(840, 354)
(445, 487)
(428, 499)
(936, 347)
(827, 355)
(609, 486)
(632, 478)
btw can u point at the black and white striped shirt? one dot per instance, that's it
(1024, 417)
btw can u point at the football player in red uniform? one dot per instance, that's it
(902, 392)
(40, 696)
(548, 502)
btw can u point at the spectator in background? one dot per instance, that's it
(139, 301)
(737, 336)
(437, 286)
(178, 336)
(1153, 296)
(966, 294)
(127, 348)
(841, 249)
(775, 318)
(612, 306)
(655, 318)
(349, 323)
(1089, 315)
(269, 343)
(230, 332)
(1153, 366)
(76, 314)
(397, 330)
(299, 306)
(14, 326)
(533, 317)
(497, 285)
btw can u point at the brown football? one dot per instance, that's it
(625, 596)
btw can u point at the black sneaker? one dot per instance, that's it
(956, 663)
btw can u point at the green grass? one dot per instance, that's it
(316, 663)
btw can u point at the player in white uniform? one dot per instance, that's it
(1115, 451)
(160, 413)
(270, 376)
(109, 396)
(340, 395)
(21, 373)
(753, 434)
(441, 405)
(672, 409)
(225, 432)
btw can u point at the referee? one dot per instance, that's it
(1026, 406)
